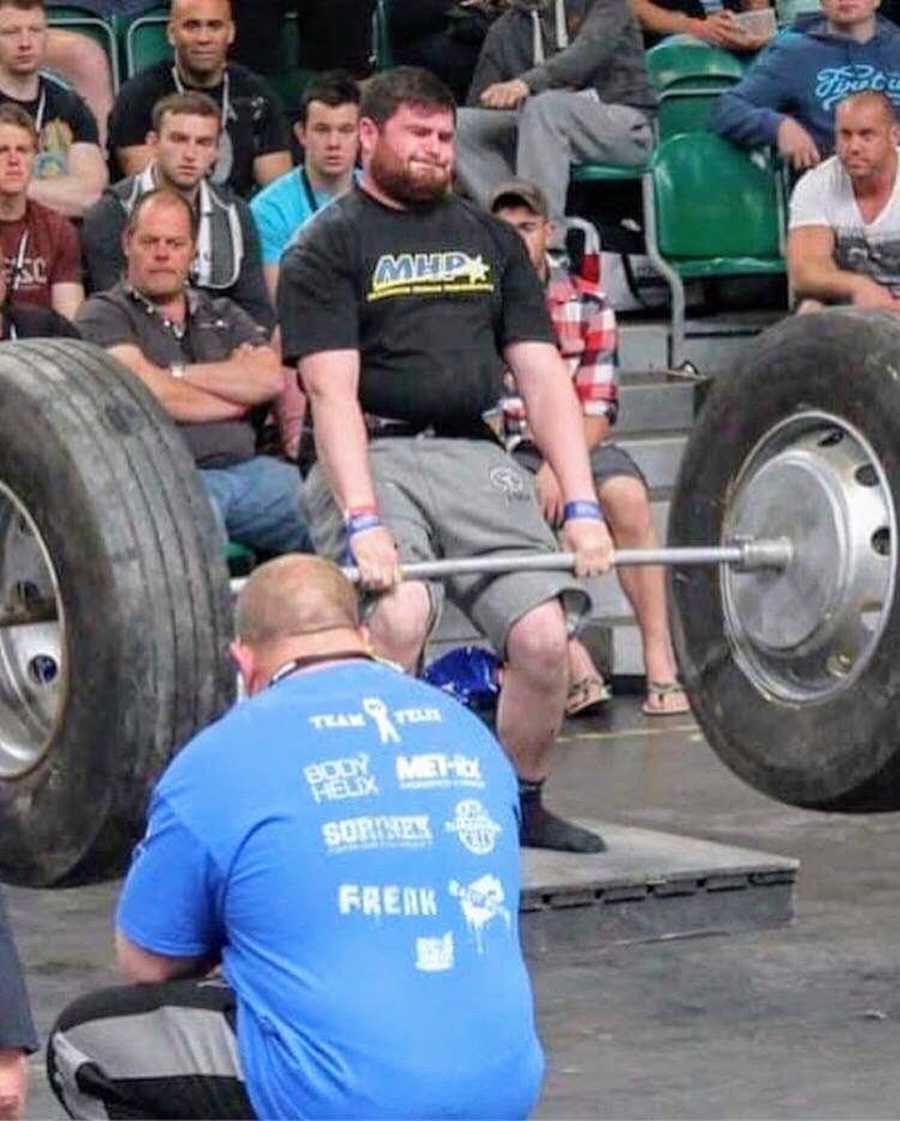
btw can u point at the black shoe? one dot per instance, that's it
(541, 829)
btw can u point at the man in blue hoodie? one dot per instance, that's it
(788, 98)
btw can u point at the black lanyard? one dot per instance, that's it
(311, 200)
(18, 267)
(316, 659)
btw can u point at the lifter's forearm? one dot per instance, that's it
(341, 446)
(558, 435)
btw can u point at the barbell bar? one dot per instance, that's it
(744, 554)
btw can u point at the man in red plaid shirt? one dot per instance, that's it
(586, 335)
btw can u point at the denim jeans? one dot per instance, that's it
(259, 503)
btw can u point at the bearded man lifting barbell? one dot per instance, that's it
(404, 302)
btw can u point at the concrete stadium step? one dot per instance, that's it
(653, 402)
(713, 343)
(623, 646)
(658, 456)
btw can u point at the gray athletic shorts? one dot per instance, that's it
(608, 461)
(445, 498)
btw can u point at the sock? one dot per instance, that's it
(541, 829)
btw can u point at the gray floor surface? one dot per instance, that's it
(797, 1022)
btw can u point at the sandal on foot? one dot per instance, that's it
(658, 701)
(587, 694)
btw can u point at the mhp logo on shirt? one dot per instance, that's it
(426, 274)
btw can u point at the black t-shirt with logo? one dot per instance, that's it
(62, 119)
(255, 124)
(429, 296)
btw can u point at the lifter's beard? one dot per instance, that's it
(392, 177)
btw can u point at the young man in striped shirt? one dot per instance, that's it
(585, 327)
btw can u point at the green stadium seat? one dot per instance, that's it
(689, 75)
(84, 22)
(290, 79)
(605, 173)
(682, 60)
(382, 52)
(240, 560)
(737, 231)
(146, 42)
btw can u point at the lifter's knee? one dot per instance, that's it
(399, 624)
(537, 644)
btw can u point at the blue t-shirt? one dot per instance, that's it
(347, 840)
(281, 208)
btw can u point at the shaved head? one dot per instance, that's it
(181, 8)
(869, 99)
(866, 138)
(292, 597)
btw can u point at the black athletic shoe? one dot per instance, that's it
(541, 829)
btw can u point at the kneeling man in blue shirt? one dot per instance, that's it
(344, 845)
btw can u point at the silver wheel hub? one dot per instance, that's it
(32, 666)
(807, 632)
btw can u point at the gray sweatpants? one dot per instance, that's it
(543, 138)
(446, 498)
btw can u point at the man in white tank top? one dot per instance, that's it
(844, 235)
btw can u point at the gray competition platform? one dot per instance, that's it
(648, 886)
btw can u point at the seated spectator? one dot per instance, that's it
(70, 172)
(718, 27)
(585, 329)
(328, 131)
(185, 143)
(845, 214)
(208, 365)
(254, 146)
(556, 85)
(17, 1035)
(41, 253)
(443, 36)
(86, 67)
(371, 965)
(789, 95)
